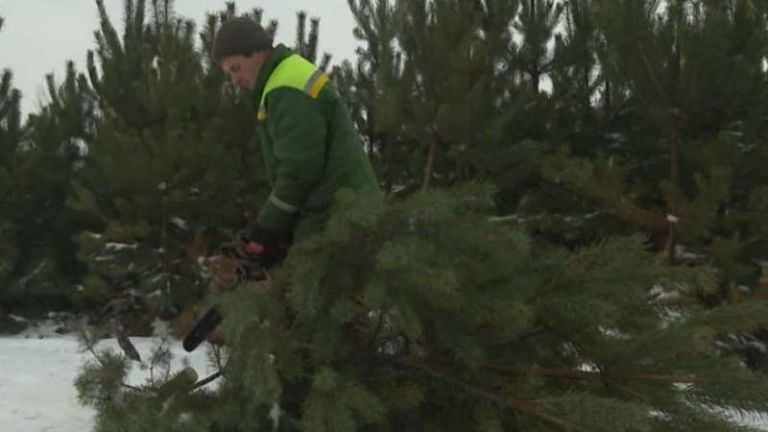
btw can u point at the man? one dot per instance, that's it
(309, 144)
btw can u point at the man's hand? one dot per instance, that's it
(253, 248)
(224, 269)
(262, 245)
(216, 338)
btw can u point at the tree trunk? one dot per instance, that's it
(429, 168)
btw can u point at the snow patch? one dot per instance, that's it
(38, 375)
(114, 246)
(179, 223)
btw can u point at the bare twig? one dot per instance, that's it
(662, 94)
(377, 330)
(429, 167)
(210, 378)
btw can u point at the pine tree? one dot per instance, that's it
(55, 146)
(536, 23)
(681, 141)
(10, 139)
(307, 44)
(170, 170)
(422, 314)
(450, 74)
(682, 136)
(433, 313)
(372, 90)
(432, 89)
(574, 69)
(37, 255)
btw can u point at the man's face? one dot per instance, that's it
(243, 70)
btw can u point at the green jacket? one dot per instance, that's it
(310, 146)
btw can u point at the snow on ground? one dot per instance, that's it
(38, 368)
(37, 372)
(758, 421)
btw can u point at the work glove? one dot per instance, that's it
(262, 245)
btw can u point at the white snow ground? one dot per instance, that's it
(38, 368)
(37, 372)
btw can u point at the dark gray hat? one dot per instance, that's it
(240, 36)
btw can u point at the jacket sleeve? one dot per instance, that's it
(298, 129)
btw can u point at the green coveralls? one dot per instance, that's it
(310, 146)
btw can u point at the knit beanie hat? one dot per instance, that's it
(240, 36)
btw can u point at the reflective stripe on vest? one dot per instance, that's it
(282, 205)
(294, 72)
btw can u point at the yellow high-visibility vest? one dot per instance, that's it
(294, 72)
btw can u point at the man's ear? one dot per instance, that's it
(262, 55)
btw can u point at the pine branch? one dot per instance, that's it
(524, 407)
(138, 20)
(313, 38)
(377, 329)
(210, 378)
(90, 347)
(570, 373)
(325, 62)
(429, 167)
(301, 24)
(112, 45)
(652, 74)
(5, 83)
(51, 85)
(128, 12)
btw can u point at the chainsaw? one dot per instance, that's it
(230, 269)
